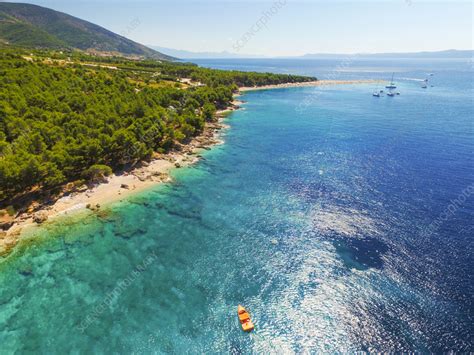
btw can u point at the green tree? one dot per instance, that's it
(97, 172)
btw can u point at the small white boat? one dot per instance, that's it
(390, 93)
(377, 93)
(424, 86)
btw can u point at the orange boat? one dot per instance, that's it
(244, 319)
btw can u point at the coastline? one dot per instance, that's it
(121, 185)
(310, 84)
(124, 184)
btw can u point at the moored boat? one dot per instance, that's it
(392, 84)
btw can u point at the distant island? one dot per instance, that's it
(446, 54)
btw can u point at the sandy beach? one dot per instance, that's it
(310, 84)
(121, 185)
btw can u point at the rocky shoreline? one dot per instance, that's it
(114, 188)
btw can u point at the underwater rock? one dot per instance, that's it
(26, 270)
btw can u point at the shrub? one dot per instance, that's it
(97, 172)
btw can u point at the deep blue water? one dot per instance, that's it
(343, 222)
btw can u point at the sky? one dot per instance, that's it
(283, 27)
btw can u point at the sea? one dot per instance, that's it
(343, 222)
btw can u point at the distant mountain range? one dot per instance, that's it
(35, 26)
(183, 54)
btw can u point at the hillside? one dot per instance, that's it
(35, 26)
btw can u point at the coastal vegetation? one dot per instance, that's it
(69, 116)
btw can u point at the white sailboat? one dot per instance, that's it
(392, 84)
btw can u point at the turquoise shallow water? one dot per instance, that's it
(313, 215)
